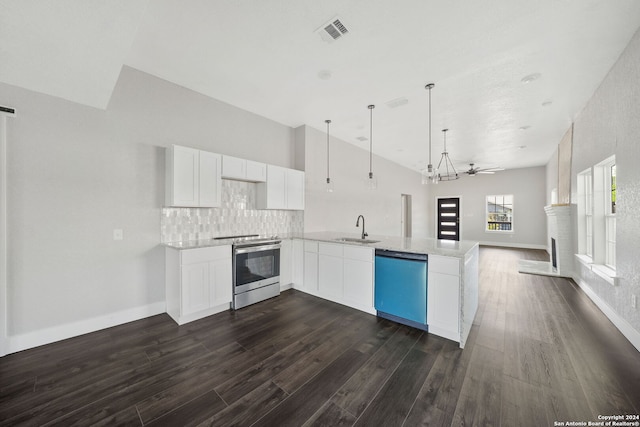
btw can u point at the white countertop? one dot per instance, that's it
(409, 244)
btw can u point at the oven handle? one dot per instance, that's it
(255, 249)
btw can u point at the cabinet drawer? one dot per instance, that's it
(330, 249)
(357, 253)
(193, 256)
(444, 264)
(310, 246)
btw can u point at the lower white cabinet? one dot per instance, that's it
(339, 273)
(310, 274)
(198, 282)
(443, 297)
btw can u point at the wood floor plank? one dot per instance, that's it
(299, 407)
(392, 404)
(480, 396)
(330, 415)
(362, 387)
(249, 409)
(191, 413)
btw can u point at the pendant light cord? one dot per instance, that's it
(327, 122)
(371, 107)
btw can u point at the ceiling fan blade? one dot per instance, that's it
(486, 172)
(497, 169)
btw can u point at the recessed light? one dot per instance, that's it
(531, 78)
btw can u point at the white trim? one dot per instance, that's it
(4, 275)
(81, 327)
(623, 326)
(514, 245)
(606, 273)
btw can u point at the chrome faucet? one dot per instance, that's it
(364, 234)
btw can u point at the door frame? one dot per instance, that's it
(435, 214)
(4, 293)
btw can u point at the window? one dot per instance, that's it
(610, 214)
(585, 213)
(500, 213)
(596, 201)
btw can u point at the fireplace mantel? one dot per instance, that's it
(560, 229)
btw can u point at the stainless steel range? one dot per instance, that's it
(256, 269)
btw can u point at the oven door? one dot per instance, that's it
(255, 267)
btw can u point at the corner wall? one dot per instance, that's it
(609, 125)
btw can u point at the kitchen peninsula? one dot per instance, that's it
(336, 266)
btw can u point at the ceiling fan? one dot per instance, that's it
(474, 171)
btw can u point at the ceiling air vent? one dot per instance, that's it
(332, 30)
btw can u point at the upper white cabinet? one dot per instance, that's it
(284, 189)
(193, 177)
(243, 170)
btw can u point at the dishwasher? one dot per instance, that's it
(401, 287)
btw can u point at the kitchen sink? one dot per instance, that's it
(355, 240)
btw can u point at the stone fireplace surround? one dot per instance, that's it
(560, 262)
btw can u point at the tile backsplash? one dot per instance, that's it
(237, 215)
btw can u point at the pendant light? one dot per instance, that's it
(429, 174)
(329, 184)
(451, 173)
(372, 181)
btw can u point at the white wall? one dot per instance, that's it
(608, 125)
(528, 186)
(349, 168)
(76, 173)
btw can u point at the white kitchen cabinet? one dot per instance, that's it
(295, 189)
(297, 255)
(284, 189)
(443, 297)
(256, 171)
(310, 283)
(286, 264)
(243, 170)
(198, 282)
(358, 277)
(330, 271)
(193, 177)
(339, 273)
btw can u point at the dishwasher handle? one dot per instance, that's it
(401, 255)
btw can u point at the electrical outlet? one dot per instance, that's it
(118, 234)
(633, 301)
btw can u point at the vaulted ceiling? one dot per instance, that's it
(510, 75)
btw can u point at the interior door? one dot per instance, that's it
(449, 218)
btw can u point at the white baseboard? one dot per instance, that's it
(74, 329)
(514, 245)
(623, 326)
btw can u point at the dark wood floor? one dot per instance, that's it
(539, 352)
